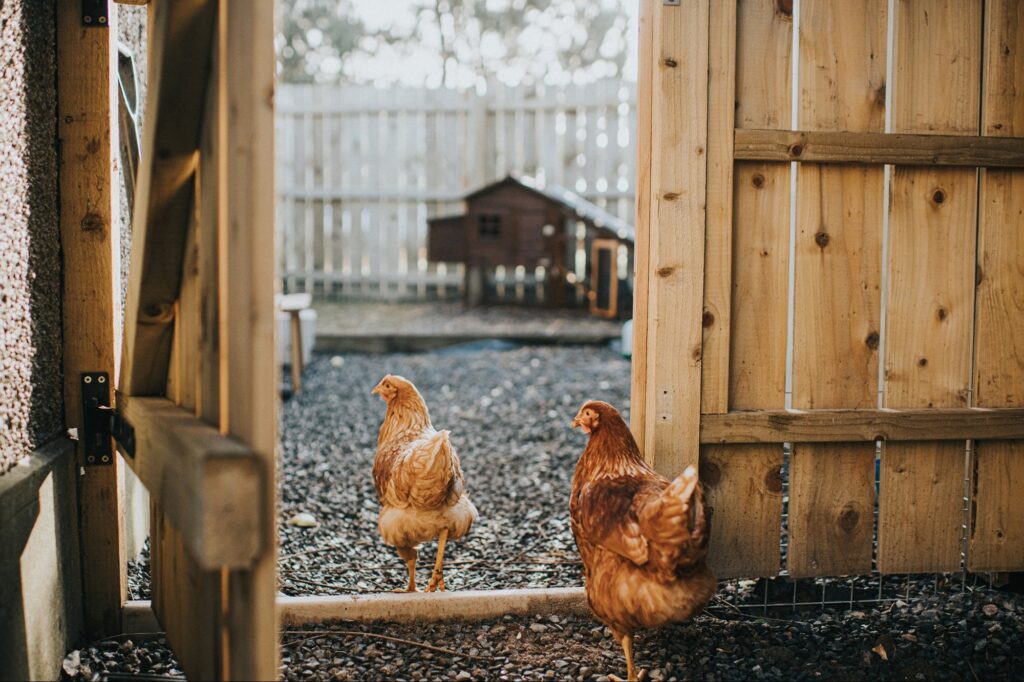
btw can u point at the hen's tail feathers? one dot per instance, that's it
(436, 473)
(677, 521)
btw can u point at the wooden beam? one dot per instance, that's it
(834, 426)
(208, 484)
(180, 33)
(642, 246)
(245, 74)
(90, 244)
(902, 149)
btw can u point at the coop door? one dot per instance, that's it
(604, 278)
(198, 378)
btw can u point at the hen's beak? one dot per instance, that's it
(378, 389)
(581, 422)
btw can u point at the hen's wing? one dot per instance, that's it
(427, 474)
(642, 519)
(604, 514)
(675, 524)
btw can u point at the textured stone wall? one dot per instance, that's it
(31, 405)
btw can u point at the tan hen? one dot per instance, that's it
(642, 539)
(419, 480)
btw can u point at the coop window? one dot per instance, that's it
(489, 225)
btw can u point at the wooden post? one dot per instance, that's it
(245, 46)
(675, 174)
(87, 130)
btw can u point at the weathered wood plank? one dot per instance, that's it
(206, 483)
(874, 148)
(837, 292)
(676, 268)
(642, 248)
(930, 315)
(717, 317)
(831, 509)
(246, 69)
(757, 358)
(748, 535)
(90, 245)
(180, 33)
(853, 425)
(743, 491)
(997, 520)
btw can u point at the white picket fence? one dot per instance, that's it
(360, 169)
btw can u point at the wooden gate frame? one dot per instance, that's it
(198, 378)
(690, 139)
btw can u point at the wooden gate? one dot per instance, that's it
(830, 244)
(198, 378)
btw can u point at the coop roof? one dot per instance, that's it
(583, 209)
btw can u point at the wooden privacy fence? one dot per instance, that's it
(831, 206)
(361, 169)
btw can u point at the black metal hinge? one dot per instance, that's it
(101, 422)
(94, 13)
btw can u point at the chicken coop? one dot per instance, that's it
(828, 278)
(515, 223)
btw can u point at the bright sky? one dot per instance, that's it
(392, 63)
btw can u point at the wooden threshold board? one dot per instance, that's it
(831, 426)
(878, 148)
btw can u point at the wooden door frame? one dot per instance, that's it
(198, 383)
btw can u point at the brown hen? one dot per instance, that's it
(419, 480)
(642, 539)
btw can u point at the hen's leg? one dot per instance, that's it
(437, 577)
(627, 648)
(409, 554)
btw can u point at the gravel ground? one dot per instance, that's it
(508, 412)
(942, 634)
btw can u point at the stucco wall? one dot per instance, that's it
(31, 406)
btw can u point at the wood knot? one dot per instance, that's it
(92, 222)
(707, 319)
(670, 196)
(923, 362)
(773, 480)
(710, 474)
(941, 313)
(821, 239)
(784, 7)
(938, 196)
(872, 341)
(848, 518)
(666, 270)
(670, 63)
(880, 96)
(92, 146)
(157, 313)
(69, 119)
(696, 352)
(796, 149)
(757, 181)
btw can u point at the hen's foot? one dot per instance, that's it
(640, 677)
(436, 582)
(411, 587)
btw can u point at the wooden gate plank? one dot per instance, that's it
(837, 288)
(180, 32)
(249, 388)
(716, 318)
(90, 247)
(676, 260)
(757, 316)
(931, 283)
(997, 524)
(642, 247)
(187, 595)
